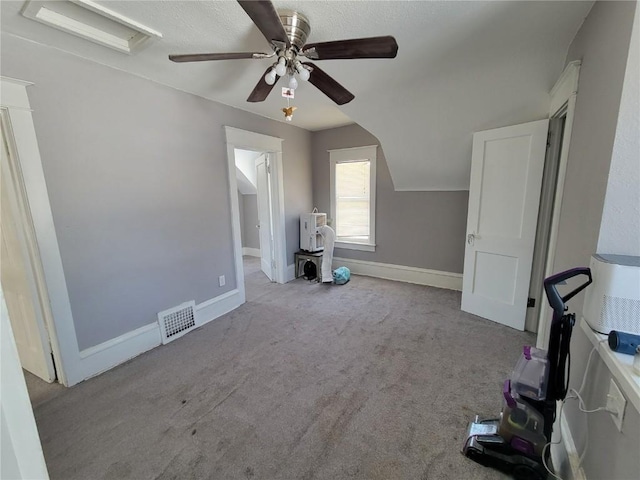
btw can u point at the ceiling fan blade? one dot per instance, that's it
(371, 47)
(264, 15)
(262, 89)
(203, 57)
(327, 85)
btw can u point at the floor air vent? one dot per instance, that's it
(177, 321)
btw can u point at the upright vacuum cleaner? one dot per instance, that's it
(515, 441)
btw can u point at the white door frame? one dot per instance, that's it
(24, 154)
(246, 140)
(563, 98)
(39, 361)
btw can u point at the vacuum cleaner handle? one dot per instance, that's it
(556, 301)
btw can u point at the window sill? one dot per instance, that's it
(365, 247)
(620, 365)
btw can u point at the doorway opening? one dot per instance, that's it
(258, 228)
(255, 209)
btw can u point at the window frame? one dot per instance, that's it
(355, 154)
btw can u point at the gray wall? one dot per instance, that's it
(602, 43)
(249, 207)
(416, 229)
(137, 179)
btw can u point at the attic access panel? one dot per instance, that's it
(93, 22)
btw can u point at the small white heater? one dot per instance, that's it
(311, 240)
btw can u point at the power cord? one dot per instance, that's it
(573, 394)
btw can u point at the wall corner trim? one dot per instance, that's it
(401, 273)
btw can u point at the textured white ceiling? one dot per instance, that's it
(461, 67)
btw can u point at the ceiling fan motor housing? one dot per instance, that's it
(296, 26)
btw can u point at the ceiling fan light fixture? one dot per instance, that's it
(270, 77)
(303, 73)
(281, 67)
(293, 83)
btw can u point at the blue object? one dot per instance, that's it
(341, 275)
(623, 342)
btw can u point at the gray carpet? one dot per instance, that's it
(371, 380)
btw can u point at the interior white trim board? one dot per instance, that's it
(246, 140)
(251, 252)
(401, 273)
(21, 136)
(563, 95)
(106, 355)
(565, 456)
(218, 306)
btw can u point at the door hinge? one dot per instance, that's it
(273, 263)
(549, 139)
(531, 302)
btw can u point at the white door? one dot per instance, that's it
(19, 285)
(264, 215)
(504, 193)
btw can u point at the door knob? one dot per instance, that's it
(258, 226)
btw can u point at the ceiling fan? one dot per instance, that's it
(287, 33)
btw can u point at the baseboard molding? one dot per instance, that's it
(251, 252)
(291, 273)
(401, 273)
(100, 358)
(218, 306)
(103, 357)
(564, 455)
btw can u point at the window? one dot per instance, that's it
(353, 197)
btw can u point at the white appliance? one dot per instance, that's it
(612, 302)
(310, 238)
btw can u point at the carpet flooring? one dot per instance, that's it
(370, 380)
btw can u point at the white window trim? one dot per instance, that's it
(351, 155)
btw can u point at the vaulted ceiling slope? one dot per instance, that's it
(461, 67)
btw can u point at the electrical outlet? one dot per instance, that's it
(616, 404)
(221, 280)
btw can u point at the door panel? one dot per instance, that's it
(506, 174)
(19, 286)
(264, 216)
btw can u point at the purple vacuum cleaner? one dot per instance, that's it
(515, 441)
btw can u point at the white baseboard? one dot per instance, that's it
(291, 273)
(565, 456)
(401, 273)
(218, 306)
(102, 357)
(252, 252)
(105, 356)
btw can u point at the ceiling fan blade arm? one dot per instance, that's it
(371, 47)
(264, 15)
(205, 57)
(327, 85)
(262, 89)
